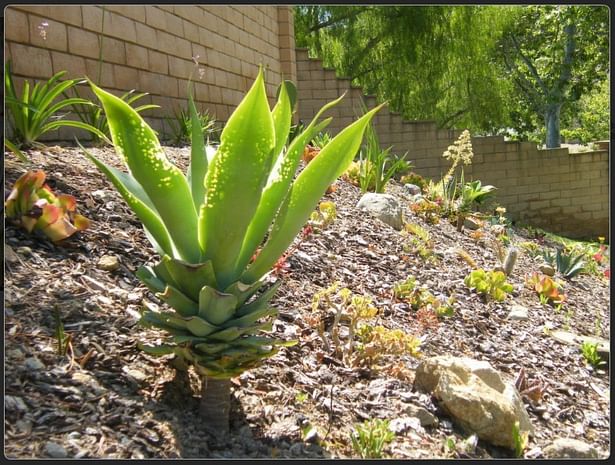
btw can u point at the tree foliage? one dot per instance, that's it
(554, 54)
(429, 62)
(486, 68)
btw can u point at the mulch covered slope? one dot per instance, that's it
(106, 398)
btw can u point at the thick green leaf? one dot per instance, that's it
(156, 350)
(138, 201)
(262, 301)
(182, 304)
(200, 327)
(243, 291)
(216, 307)
(281, 114)
(276, 190)
(235, 180)
(307, 189)
(148, 277)
(198, 159)
(189, 278)
(250, 318)
(212, 348)
(163, 182)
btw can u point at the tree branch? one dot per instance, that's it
(335, 19)
(530, 66)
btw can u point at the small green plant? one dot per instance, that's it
(530, 248)
(63, 339)
(404, 289)
(590, 353)
(472, 193)
(568, 264)
(429, 210)
(301, 397)
(459, 152)
(321, 139)
(93, 115)
(419, 241)
(377, 166)
(370, 438)
(36, 111)
(546, 288)
(489, 283)
(180, 126)
(324, 216)
(18, 153)
(32, 205)
(520, 439)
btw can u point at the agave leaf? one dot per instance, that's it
(156, 350)
(260, 302)
(198, 159)
(243, 291)
(161, 180)
(281, 114)
(216, 307)
(147, 275)
(187, 277)
(212, 348)
(305, 192)
(185, 306)
(250, 318)
(199, 326)
(243, 159)
(138, 201)
(276, 190)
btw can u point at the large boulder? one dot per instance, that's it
(385, 207)
(475, 396)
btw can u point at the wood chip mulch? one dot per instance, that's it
(107, 399)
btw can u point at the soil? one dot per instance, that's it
(104, 398)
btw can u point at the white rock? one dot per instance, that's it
(475, 396)
(518, 312)
(568, 448)
(108, 263)
(385, 207)
(547, 269)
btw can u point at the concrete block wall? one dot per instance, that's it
(151, 49)
(552, 189)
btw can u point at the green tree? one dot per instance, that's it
(592, 121)
(429, 62)
(554, 55)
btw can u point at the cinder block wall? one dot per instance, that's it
(151, 49)
(561, 192)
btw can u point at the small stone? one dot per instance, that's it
(547, 269)
(311, 436)
(27, 251)
(9, 254)
(55, 450)
(403, 424)
(134, 298)
(568, 448)
(471, 224)
(108, 263)
(84, 378)
(15, 354)
(412, 189)
(425, 416)
(385, 207)
(137, 375)
(34, 364)
(15, 404)
(296, 449)
(518, 312)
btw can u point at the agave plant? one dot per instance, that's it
(221, 227)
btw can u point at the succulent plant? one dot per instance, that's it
(221, 227)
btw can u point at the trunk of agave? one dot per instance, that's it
(460, 220)
(215, 404)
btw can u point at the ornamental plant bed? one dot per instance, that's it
(99, 396)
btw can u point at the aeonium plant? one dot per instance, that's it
(220, 228)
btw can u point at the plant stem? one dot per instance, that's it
(215, 404)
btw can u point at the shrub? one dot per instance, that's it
(569, 264)
(546, 288)
(369, 439)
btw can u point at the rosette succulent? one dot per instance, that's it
(221, 227)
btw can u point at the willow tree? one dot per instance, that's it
(429, 62)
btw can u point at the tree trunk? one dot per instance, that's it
(552, 125)
(215, 404)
